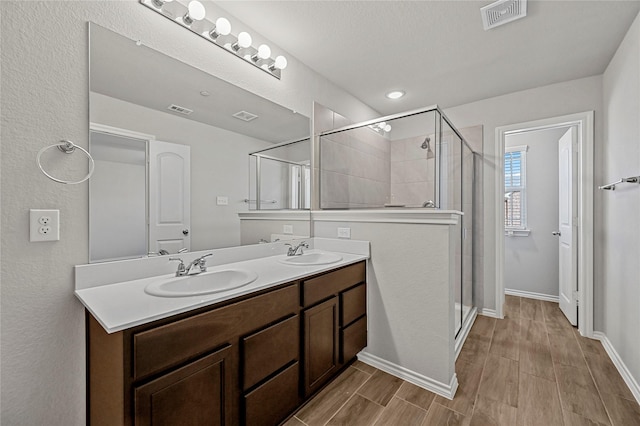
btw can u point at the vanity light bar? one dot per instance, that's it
(193, 18)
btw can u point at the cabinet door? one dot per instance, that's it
(320, 344)
(200, 393)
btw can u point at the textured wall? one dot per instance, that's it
(618, 289)
(408, 278)
(45, 98)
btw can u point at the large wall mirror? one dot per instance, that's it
(172, 147)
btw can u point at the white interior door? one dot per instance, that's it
(567, 237)
(169, 196)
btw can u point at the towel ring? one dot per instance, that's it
(67, 147)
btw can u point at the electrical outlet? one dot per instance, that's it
(44, 225)
(344, 232)
(287, 229)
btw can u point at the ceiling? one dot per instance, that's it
(438, 51)
(137, 74)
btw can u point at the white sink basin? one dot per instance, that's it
(204, 283)
(308, 259)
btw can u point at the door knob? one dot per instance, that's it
(556, 233)
(185, 232)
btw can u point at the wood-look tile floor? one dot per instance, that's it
(531, 368)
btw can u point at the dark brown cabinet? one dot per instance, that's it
(195, 394)
(321, 344)
(249, 361)
(335, 323)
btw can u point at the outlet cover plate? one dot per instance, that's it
(287, 229)
(44, 225)
(344, 232)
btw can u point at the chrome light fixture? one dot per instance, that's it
(193, 17)
(382, 127)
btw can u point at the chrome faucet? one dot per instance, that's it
(428, 203)
(186, 270)
(293, 251)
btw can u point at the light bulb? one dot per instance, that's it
(264, 51)
(280, 63)
(382, 125)
(196, 12)
(244, 39)
(387, 128)
(223, 27)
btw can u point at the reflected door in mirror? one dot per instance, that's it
(169, 197)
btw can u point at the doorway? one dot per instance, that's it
(581, 227)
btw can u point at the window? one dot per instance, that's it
(515, 206)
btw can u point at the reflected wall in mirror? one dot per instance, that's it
(172, 146)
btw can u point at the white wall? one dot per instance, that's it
(531, 262)
(409, 292)
(219, 164)
(618, 285)
(543, 102)
(44, 98)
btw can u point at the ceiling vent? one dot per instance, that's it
(245, 116)
(502, 12)
(179, 109)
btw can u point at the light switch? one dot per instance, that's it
(287, 229)
(222, 201)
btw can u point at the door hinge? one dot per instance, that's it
(576, 221)
(576, 297)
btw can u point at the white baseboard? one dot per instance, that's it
(464, 331)
(620, 365)
(488, 313)
(531, 295)
(446, 390)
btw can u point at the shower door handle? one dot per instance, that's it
(556, 233)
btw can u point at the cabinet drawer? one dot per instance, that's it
(270, 349)
(171, 344)
(273, 401)
(353, 304)
(353, 339)
(316, 289)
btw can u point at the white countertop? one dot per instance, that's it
(123, 305)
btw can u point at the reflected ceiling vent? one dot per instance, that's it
(245, 116)
(179, 109)
(502, 12)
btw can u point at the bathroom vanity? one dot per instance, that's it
(251, 359)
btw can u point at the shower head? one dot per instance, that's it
(427, 145)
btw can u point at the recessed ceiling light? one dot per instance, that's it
(205, 93)
(396, 94)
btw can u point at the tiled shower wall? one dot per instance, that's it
(412, 174)
(355, 170)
